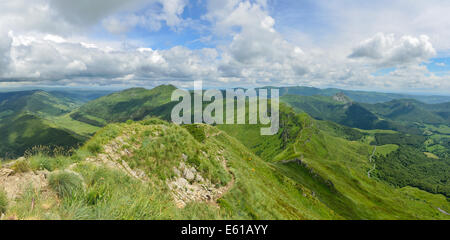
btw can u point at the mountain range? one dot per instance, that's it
(336, 156)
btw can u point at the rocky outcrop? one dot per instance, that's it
(190, 186)
(341, 97)
(15, 184)
(112, 157)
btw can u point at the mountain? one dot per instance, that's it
(135, 103)
(36, 102)
(360, 96)
(339, 109)
(410, 110)
(26, 120)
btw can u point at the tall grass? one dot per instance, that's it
(3, 201)
(65, 184)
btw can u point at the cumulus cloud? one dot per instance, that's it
(54, 59)
(257, 52)
(387, 51)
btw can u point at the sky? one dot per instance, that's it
(386, 45)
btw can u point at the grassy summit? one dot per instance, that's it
(135, 103)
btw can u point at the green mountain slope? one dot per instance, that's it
(350, 114)
(156, 170)
(336, 169)
(26, 120)
(412, 111)
(135, 103)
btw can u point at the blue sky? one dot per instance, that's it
(384, 45)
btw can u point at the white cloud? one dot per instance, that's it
(41, 58)
(387, 51)
(49, 43)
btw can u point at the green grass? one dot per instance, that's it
(21, 166)
(65, 184)
(65, 121)
(3, 201)
(386, 149)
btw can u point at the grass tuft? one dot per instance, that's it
(66, 184)
(21, 166)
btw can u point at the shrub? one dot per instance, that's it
(21, 166)
(65, 183)
(3, 201)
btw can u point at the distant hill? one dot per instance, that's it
(25, 121)
(134, 103)
(338, 109)
(360, 96)
(401, 115)
(411, 110)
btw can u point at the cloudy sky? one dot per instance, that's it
(388, 45)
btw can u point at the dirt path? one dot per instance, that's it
(371, 160)
(225, 189)
(442, 211)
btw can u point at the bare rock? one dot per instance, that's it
(5, 172)
(188, 174)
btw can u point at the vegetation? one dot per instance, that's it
(65, 184)
(408, 166)
(29, 119)
(135, 104)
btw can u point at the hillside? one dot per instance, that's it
(135, 103)
(199, 172)
(28, 119)
(348, 113)
(409, 110)
(166, 173)
(337, 171)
